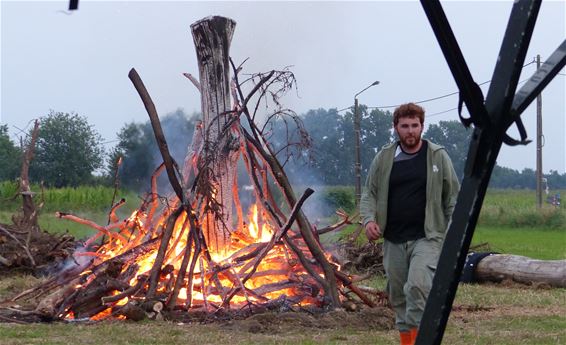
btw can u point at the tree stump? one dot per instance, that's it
(212, 37)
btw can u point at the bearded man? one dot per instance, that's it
(409, 196)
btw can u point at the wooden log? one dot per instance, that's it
(152, 306)
(164, 243)
(142, 279)
(49, 305)
(131, 312)
(521, 269)
(172, 299)
(191, 270)
(88, 301)
(212, 37)
(348, 283)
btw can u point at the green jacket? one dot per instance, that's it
(441, 190)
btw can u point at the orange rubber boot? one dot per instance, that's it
(413, 333)
(406, 338)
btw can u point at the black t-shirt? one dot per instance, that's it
(407, 197)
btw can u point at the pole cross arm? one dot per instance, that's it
(534, 86)
(491, 121)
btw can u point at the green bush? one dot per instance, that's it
(8, 189)
(340, 197)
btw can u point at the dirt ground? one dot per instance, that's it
(275, 322)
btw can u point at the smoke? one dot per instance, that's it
(178, 129)
(73, 261)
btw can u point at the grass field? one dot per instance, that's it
(536, 243)
(507, 314)
(484, 314)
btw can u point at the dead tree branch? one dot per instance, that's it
(170, 164)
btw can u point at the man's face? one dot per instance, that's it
(409, 130)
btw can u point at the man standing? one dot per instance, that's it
(409, 197)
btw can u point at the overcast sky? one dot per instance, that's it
(79, 61)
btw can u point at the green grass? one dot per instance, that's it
(483, 314)
(536, 243)
(85, 198)
(92, 203)
(495, 295)
(505, 315)
(172, 333)
(517, 208)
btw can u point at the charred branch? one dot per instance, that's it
(170, 164)
(163, 244)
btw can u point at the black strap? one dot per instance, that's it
(522, 132)
(483, 119)
(479, 120)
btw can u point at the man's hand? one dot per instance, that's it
(373, 232)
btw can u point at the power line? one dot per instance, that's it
(441, 112)
(449, 110)
(431, 99)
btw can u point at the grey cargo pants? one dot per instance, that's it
(410, 267)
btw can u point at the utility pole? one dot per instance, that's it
(539, 144)
(357, 135)
(358, 164)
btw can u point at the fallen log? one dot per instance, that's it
(521, 269)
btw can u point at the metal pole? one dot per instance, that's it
(358, 164)
(539, 144)
(357, 135)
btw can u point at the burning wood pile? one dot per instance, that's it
(196, 250)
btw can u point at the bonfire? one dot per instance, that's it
(196, 249)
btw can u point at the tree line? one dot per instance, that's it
(70, 152)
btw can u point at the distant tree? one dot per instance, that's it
(138, 149)
(527, 179)
(330, 160)
(503, 177)
(455, 138)
(376, 131)
(10, 156)
(68, 151)
(135, 147)
(325, 128)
